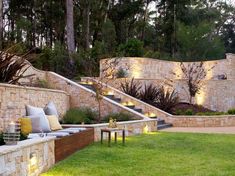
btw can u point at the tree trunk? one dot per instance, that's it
(70, 28)
(86, 24)
(1, 24)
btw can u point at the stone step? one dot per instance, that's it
(138, 110)
(130, 106)
(160, 121)
(163, 126)
(110, 96)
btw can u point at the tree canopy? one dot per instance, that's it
(183, 30)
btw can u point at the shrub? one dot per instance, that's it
(131, 88)
(152, 54)
(79, 115)
(189, 112)
(179, 112)
(122, 116)
(166, 100)
(149, 94)
(231, 111)
(132, 48)
(210, 113)
(121, 73)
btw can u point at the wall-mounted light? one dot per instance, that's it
(128, 103)
(146, 129)
(33, 162)
(151, 115)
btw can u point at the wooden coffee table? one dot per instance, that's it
(115, 131)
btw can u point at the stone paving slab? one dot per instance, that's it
(220, 130)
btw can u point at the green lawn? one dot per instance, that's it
(163, 154)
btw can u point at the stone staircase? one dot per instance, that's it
(161, 122)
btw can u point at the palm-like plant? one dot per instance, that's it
(12, 68)
(149, 94)
(131, 88)
(166, 100)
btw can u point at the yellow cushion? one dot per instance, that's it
(54, 122)
(25, 125)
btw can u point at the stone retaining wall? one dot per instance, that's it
(217, 95)
(132, 127)
(14, 98)
(203, 121)
(157, 69)
(83, 97)
(27, 158)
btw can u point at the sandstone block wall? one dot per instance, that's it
(82, 97)
(147, 68)
(14, 98)
(28, 158)
(215, 94)
(203, 121)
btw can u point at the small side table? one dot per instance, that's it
(115, 131)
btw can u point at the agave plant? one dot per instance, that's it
(12, 68)
(131, 88)
(150, 93)
(166, 100)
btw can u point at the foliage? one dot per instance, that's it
(210, 113)
(109, 37)
(122, 116)
(56, 60)
(150, 94)
(189, 112)
(131, 88)
(152, 54)
(79, 115)
(12, 68)
(41, 83)
(178, 153)
(166, 100)
(121, 73)
(1, 139)
(231, 111)
(199, 42)
(132, 48)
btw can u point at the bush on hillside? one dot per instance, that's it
(79, 115)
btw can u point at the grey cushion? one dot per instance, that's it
(39, 112)
(50, 109)
(36, 126)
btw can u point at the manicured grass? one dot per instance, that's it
(163, 154)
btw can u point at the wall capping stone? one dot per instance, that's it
(31, 88)
(25, 143)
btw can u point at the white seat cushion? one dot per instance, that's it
(58, 134)
(69, 130)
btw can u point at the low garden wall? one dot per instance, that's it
(203, 121)
(132, 127)
(14, 98)
(27, 158)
